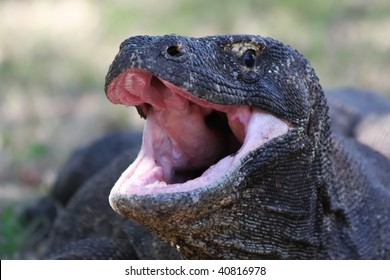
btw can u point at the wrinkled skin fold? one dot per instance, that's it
(238, 159)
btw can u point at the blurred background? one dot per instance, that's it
(54, 56)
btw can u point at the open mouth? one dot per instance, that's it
(188, 143)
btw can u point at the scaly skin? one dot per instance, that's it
(303, 195)
(86, 227)
(362, 115)
(306, 194)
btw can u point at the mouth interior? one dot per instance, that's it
(188, 143)
(219, 138)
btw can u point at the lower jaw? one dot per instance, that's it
(189, 220)
(217, 215)
(144, 177)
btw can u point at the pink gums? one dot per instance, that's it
(177, 139)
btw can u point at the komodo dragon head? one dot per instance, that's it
(235, 145)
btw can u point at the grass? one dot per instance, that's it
(12, 234)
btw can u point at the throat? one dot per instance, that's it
(186, 144)
(218, 122)
(185, 176)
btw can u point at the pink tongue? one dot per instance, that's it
(177, 141)
(181, 139)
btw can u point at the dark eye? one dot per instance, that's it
(249, 58)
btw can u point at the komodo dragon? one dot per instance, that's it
(362, 115)
(237, 161)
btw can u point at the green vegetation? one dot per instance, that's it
(12, 234)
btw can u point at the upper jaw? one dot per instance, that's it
(188, 143)
(211, 70)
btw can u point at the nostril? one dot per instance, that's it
(174, 51)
